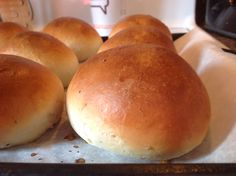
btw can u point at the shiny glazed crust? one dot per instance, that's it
(139, 100)
(78, 35)
(9, 30)
(31, 100)
(138, 35)
(46, 50)
(140, 20)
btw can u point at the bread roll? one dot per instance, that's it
(31, 100)
(138, 35)
(9, 30)
(139, 100)
(46, 50)
(139, 20)
(76, 34)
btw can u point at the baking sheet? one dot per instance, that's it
(217, 70)
(61, 145)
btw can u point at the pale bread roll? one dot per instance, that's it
(140, 20)
(31, 100)
(46, 50)
(78, 35)
(138, 35)
(9, 30)
(139, 100)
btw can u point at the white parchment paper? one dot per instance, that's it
(216, 69)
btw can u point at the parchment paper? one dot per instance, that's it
(216, 69)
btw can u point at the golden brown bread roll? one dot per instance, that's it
(139, 100)
(78, 35)
(138, 35)
(31, 100)
(9, 30)
(46, 50)
(139, 20)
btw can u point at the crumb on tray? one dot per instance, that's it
(33, 154)
(70, 137)
(76, 146)
(80, 161)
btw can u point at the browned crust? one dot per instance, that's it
(27, 90)
(9, 30)
(46, 50)
(78, 35)
(138, 35)
(147, 96)
(140, 20)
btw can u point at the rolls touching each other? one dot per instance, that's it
(9, 30)
(78, 35)
(139, 20)
(46, 50)
(138, 35)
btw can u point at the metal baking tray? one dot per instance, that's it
(60, 169)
